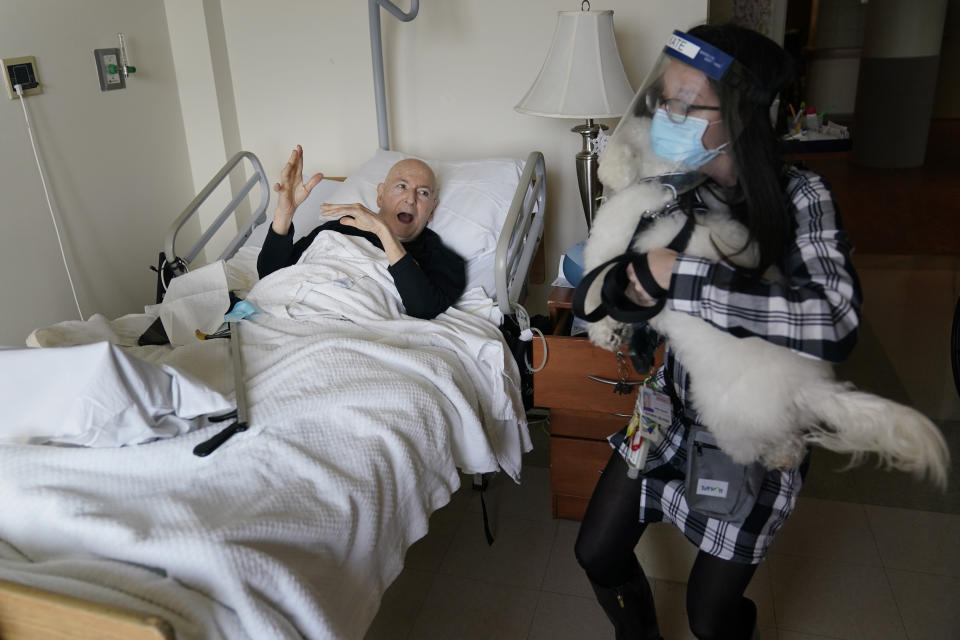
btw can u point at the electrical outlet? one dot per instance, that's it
(108, 69)
(22, 71)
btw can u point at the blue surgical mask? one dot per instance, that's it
(681, 142)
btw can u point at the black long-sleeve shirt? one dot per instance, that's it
(429, 278)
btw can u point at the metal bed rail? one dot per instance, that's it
(521, 233)
(179, 263)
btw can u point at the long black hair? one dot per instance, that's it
(764, 68)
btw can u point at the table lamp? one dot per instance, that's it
(582, 77)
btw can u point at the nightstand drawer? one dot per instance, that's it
(565, 383)
(575, 465)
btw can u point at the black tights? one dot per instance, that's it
(611, 529)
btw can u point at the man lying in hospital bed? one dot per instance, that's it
(429, 276)
(360, 416)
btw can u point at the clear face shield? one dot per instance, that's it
(674, 126)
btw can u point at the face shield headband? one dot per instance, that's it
(662, 131)
(716, 64)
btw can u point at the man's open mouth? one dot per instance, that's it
(404, 217)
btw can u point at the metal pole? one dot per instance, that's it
(376, 54)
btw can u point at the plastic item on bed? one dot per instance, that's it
(572, 264)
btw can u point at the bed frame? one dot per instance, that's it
(28, 613)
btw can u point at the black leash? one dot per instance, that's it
(613, 297)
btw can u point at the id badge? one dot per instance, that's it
(652, 413)
(656, 407)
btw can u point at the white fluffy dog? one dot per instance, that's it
(761, 401)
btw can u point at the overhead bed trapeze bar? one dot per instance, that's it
(259, 214)
(376, 50)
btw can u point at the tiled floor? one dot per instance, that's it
(838, 569)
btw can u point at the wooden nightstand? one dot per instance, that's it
(583, 410)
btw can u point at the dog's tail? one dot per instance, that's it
(861, 423)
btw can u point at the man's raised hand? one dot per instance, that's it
(291, 191)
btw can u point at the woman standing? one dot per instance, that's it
(708, 104)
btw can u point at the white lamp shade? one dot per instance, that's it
(582, 76)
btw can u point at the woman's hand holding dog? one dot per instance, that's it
(660, 261)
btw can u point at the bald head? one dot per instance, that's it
(413, 167)
(407, 198)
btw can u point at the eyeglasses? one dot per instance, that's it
(676, 108)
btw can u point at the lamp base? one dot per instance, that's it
(587, 161)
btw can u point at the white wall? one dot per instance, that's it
(262, 77)
(116, 162)
(207, 103)
(301, 73)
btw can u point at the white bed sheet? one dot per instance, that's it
(296, 527)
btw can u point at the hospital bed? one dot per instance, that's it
(360, 428)
(359, 431)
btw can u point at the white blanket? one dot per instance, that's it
(97, 395)
(298, 525)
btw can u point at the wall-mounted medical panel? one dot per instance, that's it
(108, 69)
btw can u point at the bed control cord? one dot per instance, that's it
(43, 181)
(526, 334)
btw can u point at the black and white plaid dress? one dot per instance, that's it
(816, 314)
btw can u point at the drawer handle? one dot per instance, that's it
(622, 415)
(614, 382)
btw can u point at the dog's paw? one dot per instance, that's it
(609, 334)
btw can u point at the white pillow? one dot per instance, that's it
(474, 199)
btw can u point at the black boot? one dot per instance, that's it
(748, 619)
(630, 608)
(740, 624)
